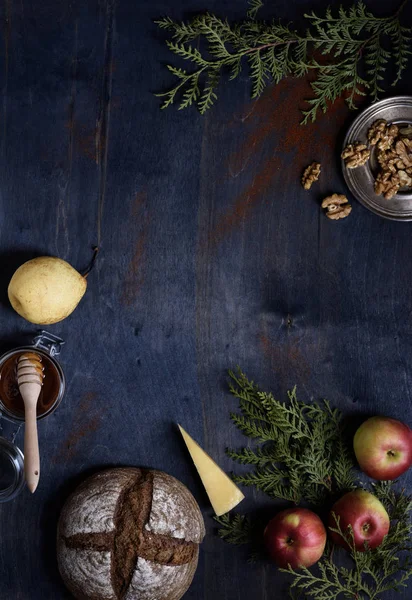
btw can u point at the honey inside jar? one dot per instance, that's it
(9, 391)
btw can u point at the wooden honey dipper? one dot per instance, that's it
(30, 375)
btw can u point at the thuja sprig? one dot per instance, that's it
(373, 572)
(359, 47)
(300, 451)
(296, 431)
(241, 530)
(235, 529)
(370, 574)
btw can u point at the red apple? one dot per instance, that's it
(295, 537)
(383, 448)
(367, 516)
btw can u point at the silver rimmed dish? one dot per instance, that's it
(360, 181)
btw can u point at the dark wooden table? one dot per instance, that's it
(212, 255)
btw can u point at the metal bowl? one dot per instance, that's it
(360, 181)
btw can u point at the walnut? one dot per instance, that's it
(389, 161)
(394, 156)
(382, 134)
(394, 165)
(386, 158)
(403, 150)
(310, 175)
(376, 130)
(355, 155)
(388, 138)
(387, 183)
(405, 180)
(337, 206)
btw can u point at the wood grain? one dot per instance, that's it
(211, 255)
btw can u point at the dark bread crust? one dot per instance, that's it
(129, 534)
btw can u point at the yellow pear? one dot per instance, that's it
(46, 290)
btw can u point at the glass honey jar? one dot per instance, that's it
(47, 346)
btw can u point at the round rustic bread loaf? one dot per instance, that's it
(129, 534)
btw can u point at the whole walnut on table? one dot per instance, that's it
(337, 206)
(310, 175)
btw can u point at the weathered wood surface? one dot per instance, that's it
(212, 255)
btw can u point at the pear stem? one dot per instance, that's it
(92, 262)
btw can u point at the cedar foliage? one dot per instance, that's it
(358, 46)
(300, 453)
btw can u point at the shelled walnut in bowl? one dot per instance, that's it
(394, 157)
(403, 149)
(387, 184)
(391, 145)
(382, 134)
(355, 155)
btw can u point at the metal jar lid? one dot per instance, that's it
(11, 470)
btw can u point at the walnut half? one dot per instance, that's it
(310, 175)
(382, 134)
(387, 183)
(355, 155)
(405, 180)
(403, 150)
(389, 160)
(336, 206)
(376, 131)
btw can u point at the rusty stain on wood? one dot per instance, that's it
(86, 144)
(245, 202)
(276, 120)
(86, 421)
(84, 139)
(285, 353)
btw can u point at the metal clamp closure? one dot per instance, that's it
(49, 342)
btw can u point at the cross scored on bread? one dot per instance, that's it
(149, 518)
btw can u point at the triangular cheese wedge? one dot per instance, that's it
(223, 493)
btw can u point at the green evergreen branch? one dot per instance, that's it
(303, 452)
(401, 43)
(236, 529)
(240, 530)
(275, 482)
(259, 457)
(343, 466)
(353, 39)
(376, 60)
(372, 572)
(304, 456)
(254, 7)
